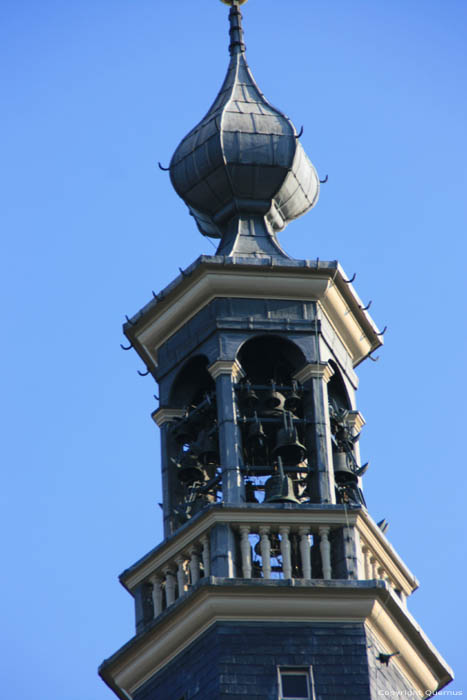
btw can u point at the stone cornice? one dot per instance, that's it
(355, 420)
(167, 415)
(213, 276)
(213, 599)
(232, 368)
(319, 370)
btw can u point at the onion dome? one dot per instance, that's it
(242, 170)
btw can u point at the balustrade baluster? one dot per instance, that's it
(366, 562)
(285, 551)
(181, 574)
(194, 565)
(245, 550)
(156, 582)
(206, 555)
(169, 586)
(265, 551)
(325, 549)
(305, 553)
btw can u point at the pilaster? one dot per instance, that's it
(314, 377)
(225, 373)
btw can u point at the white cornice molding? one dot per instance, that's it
(317, 370)
(167, 415)
(355, 420)
(232, 368)
(222, 599)
(209, 281)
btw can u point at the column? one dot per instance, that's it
(181, 575)
(265, 546)
(206, 555)
(245, 548)
(314, 378)
(366, 562)
(156, 594)
(305, 553)
(169, 587)
(194, 565)
(226, 373)
(325, 549)
(285, 551)
(163, 417)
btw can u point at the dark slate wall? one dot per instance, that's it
(384, 679)
(233, 660)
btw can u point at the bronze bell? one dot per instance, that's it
(189, 470)
(251, 397)
(288, 448)
(279, 488)
(183, 432)
(257, 440)
(206, 447)
(342, 471)
(292, 401)
(274, 400)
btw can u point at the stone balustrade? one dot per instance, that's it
(260, 543)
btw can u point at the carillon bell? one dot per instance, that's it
(342, 471)
(292, 401)
(274, 400)
(251, 397)
(206, 447)
(279, 488)
(189, 470)
(257, 440)
(288, 448)
(183, 432)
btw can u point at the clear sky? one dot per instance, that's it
(94, 93)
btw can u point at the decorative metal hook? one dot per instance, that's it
(132, 323)
(383, 331)
(351, 279)
(159, 297)
(300, 133)
(124, 348)
(156, 397)
(143, 374)
(325, 180)
(183, 273)
(365, 308)
(162, 167)
(373, 359)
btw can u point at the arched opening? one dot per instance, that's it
(270, 357)
(192, 442)
(270, 406)
(192, 383)
(346, 469)
(337, 392)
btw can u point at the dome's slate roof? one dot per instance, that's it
(244, 158)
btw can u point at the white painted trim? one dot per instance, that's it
(301, 284)
(318, 370)
(232, 368)
(387, 619)
(167, 415)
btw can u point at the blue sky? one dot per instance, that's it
(94, 94)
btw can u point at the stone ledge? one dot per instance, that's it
(211, 600)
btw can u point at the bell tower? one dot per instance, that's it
(273, 580)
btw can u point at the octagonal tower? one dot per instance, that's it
(272, 581)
